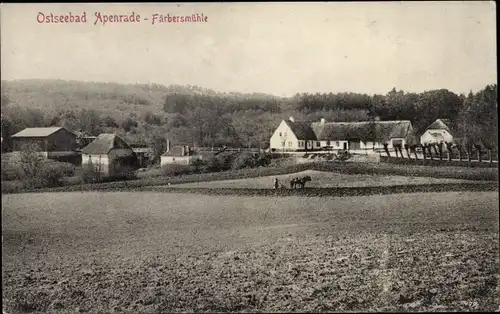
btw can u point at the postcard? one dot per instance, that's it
(249, 157)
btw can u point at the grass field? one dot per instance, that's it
(322, 179)
(167, 252)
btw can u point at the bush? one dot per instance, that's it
(66, 168)
(51, 173)
(37, 172)
(263, 160)
(88, 174)
(10, 171)
(172, 170)
(282, 162)
(343, 155)
(151, 172)
(244, 160)
(212, 164)
(216, 163)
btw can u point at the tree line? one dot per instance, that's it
(199, 117)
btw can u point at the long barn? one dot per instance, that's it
(51, 142)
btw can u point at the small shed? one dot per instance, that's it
(440, 131)
(144, 155)
(109, 155)
(179, 154)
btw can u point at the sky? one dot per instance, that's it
(276, 48)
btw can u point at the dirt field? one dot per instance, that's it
(150, 252)
(321, 179)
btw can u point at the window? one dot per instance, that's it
(327, 143)
(289, 144)
(283, 143)
(317, 144)
(337, 143)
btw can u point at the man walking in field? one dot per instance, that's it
(276, 183)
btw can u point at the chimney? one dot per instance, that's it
(168, 145)
(291, 119)
(322, 120)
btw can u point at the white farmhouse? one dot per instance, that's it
(292, 135)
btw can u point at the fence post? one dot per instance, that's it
(478, 150)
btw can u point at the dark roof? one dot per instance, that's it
(328, 131)
(380, 131)
(104, 143)
(444, 124)
(39, 132)
(301, 129)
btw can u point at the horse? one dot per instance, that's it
(299, 182)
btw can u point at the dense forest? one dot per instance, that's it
(150, 114)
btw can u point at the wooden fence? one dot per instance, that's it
(451, 156)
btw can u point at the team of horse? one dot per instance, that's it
(299, 183)
(295, 183)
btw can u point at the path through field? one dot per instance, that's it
(168, 252)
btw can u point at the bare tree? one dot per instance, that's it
(459, 149)
(407, 147)
(413, 149)
(386, 148)
(449, 150)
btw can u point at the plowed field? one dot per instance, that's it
(168, 252)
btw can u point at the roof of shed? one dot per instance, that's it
(39, 132)
(444, 124)
(104, 143)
